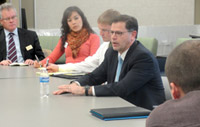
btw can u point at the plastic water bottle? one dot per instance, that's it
(44, 83)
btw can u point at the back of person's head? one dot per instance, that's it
(182, 66)
(6, 6)
(108, 16)
(131, 22)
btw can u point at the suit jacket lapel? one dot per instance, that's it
(22, 40)
(111, 65)
(3, 44)
(115, 58)
(127, 57)
(133, 46)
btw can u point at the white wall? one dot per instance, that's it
(16, 3)
(166, 20)
(148, 12)
(29, 7)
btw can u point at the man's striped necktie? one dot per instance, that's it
(12, 52)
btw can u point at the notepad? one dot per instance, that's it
(120, 113)
(18, 64)
(67, 75)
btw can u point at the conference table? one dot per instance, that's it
(21, 105)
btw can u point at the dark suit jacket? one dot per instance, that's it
(139, 82)
(26, 38)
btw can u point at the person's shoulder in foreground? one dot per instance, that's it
(183, 112)
(182, 70)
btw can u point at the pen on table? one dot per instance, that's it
(37, 60)
(47, 63)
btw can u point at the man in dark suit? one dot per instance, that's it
(139, 81)
(26, 43)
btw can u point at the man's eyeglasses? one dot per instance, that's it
(9, 18)
(118, 33)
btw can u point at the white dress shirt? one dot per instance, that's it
(123, 55)
(90, 63)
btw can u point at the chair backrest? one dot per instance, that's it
(50, 42)
(181, 40)
(166, 87)
(46, 52)
(150, 43)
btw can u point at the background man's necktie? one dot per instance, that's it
(119, 66)
(12, 52)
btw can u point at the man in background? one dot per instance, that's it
(92, 62)
(183, 72)
(17, 45)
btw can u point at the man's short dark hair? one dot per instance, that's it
(131, 22)
(183, 66)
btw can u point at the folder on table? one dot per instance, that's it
(120, 113)
(67, 75)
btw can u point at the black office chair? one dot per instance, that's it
(166, 87)
(194, 36)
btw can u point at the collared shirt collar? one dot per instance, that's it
(123, 55)
(7, 32)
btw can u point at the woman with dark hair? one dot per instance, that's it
(77, 41)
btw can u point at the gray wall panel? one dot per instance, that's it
(148, 12)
